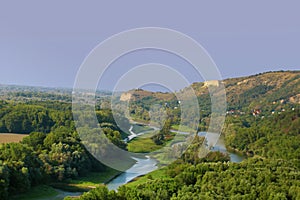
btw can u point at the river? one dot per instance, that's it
(234, 157)
(220, 146)
(144, 166)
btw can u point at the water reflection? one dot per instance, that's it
(142, 166)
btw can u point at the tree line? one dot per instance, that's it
(53, 151)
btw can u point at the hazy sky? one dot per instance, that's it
(44, 42)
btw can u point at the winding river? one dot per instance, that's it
(144, 166)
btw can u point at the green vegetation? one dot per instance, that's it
(143, 144)
(150, 142)
(93, 179)
(182, 128)
(263, 122)
(25, 119)
(157, 174)
(274, 136)
(164, 134)
(268, 90)
(52, 154)
(256, 178)
(38, 192)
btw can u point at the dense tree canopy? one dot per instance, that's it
(52, 152)
(263, 120)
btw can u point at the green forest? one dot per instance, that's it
(52, 152)
(270, 172)
(262, 123)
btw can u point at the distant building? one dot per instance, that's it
(256, 112)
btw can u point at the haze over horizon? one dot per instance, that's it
(44, 43)
(149, 87)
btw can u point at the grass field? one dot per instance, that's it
(38, 192)
(157, 174)
(94, 179)
(83, 184)
(73, 187)
(11, 137)
(142, 145)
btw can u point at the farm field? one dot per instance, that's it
(11, 137)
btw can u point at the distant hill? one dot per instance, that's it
(29, 93)
(139, 94)
(250, 92)
(262, 88)
(267, 92)
(266, 88)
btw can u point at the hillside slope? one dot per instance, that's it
(258, 90)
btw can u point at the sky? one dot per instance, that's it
(43, 43)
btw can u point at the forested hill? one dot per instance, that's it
(256, 89)
(263, 122)
(263, 88)
(264, 93)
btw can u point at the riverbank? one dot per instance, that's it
(236, 151)
(143, 170)
(157, 174)
(58, 191)
(38, 193)
(75, 187)
(161, 173)
(132, 175)
(142, 167)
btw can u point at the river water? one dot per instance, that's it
(220, 146)
(147, 165)
(144, 166)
